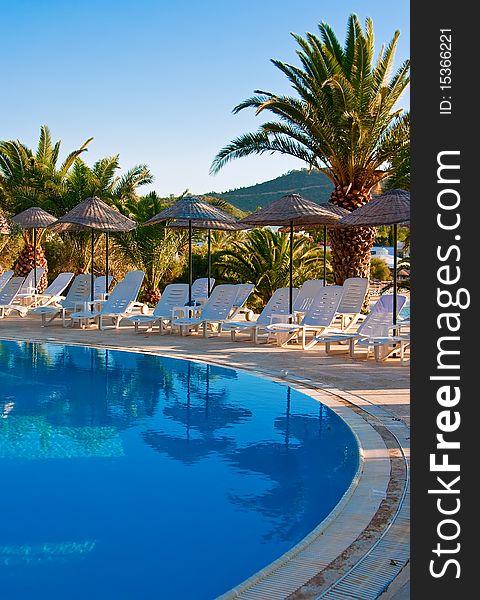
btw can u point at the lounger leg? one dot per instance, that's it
(352, 347)
(205, 329)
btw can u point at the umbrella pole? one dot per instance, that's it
(209, 260)
(92, 277)
(324, 255)
(395, 274)
(190, 262)
(35, 259)
(287, 417)
(291, 269)
(106, 262)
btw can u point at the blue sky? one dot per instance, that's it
(155, 81)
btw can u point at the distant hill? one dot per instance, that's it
(314, 186)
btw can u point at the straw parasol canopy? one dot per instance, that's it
(291, 210)
(195, 212)
(227, 226)
(95, 214)
(338, 211)
(191, 208)
(34, 218)
(390, 208)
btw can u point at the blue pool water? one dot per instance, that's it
(130, 476)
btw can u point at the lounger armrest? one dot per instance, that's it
(183, 311)
(281, 318)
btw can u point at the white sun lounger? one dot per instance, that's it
(243, 292)
(306, 297)
(318, 318)
(4, 277)
(28, 289)
(379, 333)
(8, 294)
(215, 311)
(374, 331)
(200, 289)
(174, 295)
(77, 298)
(351, 302)
(99, 287)
(54, 291)
(119, 304)
(277, 305)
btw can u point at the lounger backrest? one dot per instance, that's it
(10, 290)
(79, 292)
(220, 303)
(30, 280)
(4, 277)
(124, 293)
(200, 288)
(99, 287)
(324, 307)
(380, 319)
(59, 284)
(307, 294)
(277, 305)
(243, 292)
(353, 296)
(175, 294)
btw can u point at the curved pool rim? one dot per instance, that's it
(333, 400)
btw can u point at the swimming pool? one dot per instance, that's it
(126, 475)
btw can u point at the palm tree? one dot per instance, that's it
(100, 180)
(343, 121)
(263, 258)
(28, 179)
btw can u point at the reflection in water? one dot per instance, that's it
(160, 461)
(39, 554)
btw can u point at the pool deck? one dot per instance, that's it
(364, 392)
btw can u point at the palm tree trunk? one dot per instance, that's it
(350, 250)
(350, 247)
(26, 262)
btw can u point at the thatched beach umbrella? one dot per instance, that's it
(291, 210)
(336, 210)
(193, 210)
(390, 208)
(94, 214)
(34, 218)
(209, 225)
